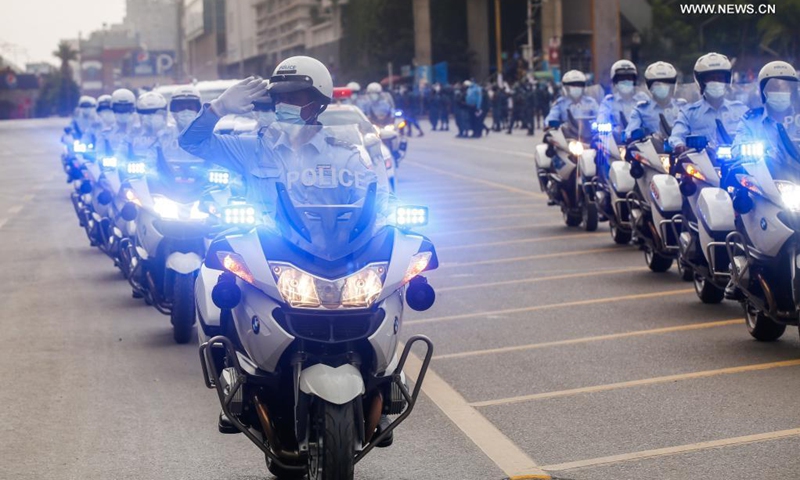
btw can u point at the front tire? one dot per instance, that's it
(334, 458)
(620, 236)
(707, 292)
(760, 326)
(572, 219)
(685, 271)
(590, 216)
(183, 308)
(656, 262)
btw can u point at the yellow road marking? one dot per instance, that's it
(638, 383)
(565, 276)
(534, 257)
(494, 229)
(662, 452)
(501, 186)
(549, 306)
(597, 338)
(522, 240)
(516, 153)
(448, 211)
(473, 219)
(500, 450)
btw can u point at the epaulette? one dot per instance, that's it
(681, 101)
(643, 103)
(336, 142)
(610, 96)
(754, 113)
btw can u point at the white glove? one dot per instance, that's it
(238, 98)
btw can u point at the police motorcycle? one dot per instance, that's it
(707, 216)
(388, 120)
(656, 199)
(765, 245)
(173, 227)
(613, 183)
(301, 315)
(566, 169)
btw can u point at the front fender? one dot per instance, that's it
(184, 263)
(335, 385)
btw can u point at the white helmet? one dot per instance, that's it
(87, 102)
(104, 102)
(660, 72)
(149, 102)
(623, 67)
(374, 87)
(574, 77)
(300, 73)
(777, 69)
(354, 87)
(123, 101)
(184, 97)
(467, 83)
(710, 63)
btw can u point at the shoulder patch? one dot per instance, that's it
(680, 102)
(642, 103)
(754, 113)
(610, 96)
(336, 142)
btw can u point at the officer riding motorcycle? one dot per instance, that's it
(616, 107)
(309, 219)
(566, 162)
(764, 178)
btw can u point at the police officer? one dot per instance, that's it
(712, 72)
(660, 78)
(151, 107)
(301, 88)
(379, 105)
(123, 104)
(617, 106)
(573, 100)
(104, 112)
(777, 82)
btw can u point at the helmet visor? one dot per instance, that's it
(289, 83)
(123, 108)
(179, 105)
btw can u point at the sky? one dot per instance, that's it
(38, 25)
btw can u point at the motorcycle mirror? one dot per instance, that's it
(688, 188)
(128, 212)
(637, 134)
(637, 171)
(67, 130)
(86, 187)
(696, 142)
(104, 197)
(226, 294)
(742, 202)
(419, 295)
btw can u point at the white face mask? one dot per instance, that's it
(625, 87)
(86, 113)
(660, 90)
(184, 118)
(107, 116)
(779, 101)
(123, 118)
(575, 92)
(286, 113)
(146, 120)
(265, 119)
(159, 121)
(715, 90)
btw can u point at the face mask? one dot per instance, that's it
(287, 113)
(146, 120)
(715, 89)
(779, 101)
(107, 116)
(625, 87)
(86, 113)
(265, 119)
(374, 96)
(660, 91)
(159, 122)
(184, 118)
(575, 92)
(123, 118)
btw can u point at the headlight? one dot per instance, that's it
(724, 153)
(664, 161)
(219, 177)
(110, 162)
(137, 168)
(196, 214)
(239, 215)
(131, 197)
(402, 125)
(622, 152)
(790, 194)
(389, 128)
(303, 290)
(749, 182)
(79, 147)
(692, 171)
(576, 148)
(234, 263)
(418, 264)
(411, 216)
(603, 127)
(753, 150)
(165, 208)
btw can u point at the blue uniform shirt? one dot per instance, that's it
(615, 106)
(758, 126)
(699, 118)
(646, 115)
(586, 107)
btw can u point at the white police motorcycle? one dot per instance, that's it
(766, 243)
(173, 229)
(656, 200)
(566, 168)
(301, 316)
(707, 219)
(613, 183)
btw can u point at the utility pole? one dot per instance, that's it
(497, 40)
(530, 36)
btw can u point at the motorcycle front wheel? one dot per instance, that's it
(760, 326)
(656, 262)
(183, 308)
(333, 456)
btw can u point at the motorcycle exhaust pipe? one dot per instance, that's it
(269, 432)
(374, 417)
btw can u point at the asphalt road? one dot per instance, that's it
(555, 349)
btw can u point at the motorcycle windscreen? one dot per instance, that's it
(333, 195)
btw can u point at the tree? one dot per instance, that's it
(779, 32)
(59, 91)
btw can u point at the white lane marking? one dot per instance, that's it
(677, 450)
(501, 186)
(498, 447)
(16, 209)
